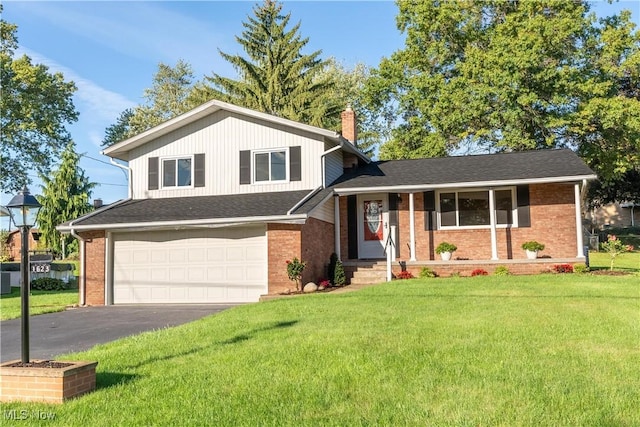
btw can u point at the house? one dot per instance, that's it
(11, 247)
(222, 196)
(615, 215)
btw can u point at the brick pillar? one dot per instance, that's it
(94, 266)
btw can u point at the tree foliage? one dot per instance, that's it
(35, 105)
(496, 75)
(65, 196)
(168, 97)
(275, 77)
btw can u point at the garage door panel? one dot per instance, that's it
(212, 265)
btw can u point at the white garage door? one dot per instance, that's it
(190, 266)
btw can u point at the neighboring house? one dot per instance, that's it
(615, 215)
(222, 196)
(13, 243)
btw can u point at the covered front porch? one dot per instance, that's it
(503, 218)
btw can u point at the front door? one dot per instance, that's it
(373, 219)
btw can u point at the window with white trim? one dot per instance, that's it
(177, 172)
(470, 208)
(270, 166)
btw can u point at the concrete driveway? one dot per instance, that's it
(82, 328)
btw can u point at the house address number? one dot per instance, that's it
(40, 268)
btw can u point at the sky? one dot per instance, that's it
(111, 50)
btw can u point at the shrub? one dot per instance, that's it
(73, 256)
(331, 268)
(446, 247)
(501, 270)
(479, 272)
(580, 268)
(563, 268)
(427, 273)
(294, 270)
(48, 284)
(324, 283)
(533, 246)
(404, 274)
(339, 278)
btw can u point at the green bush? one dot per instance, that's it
(331, 268)
(48, 284)
(339, 278)
(580, 268)
(501, 270)
(427, 273)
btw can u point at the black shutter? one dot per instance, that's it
(393, 219)
(295, 166)
(245, 167)
(524, 215)
(198, 170)
(429, 198)
(153, 178)
(352, 226)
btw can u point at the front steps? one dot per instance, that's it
(363, 273)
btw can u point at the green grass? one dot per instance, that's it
(40, 302)
(628, 261)
(543, 350)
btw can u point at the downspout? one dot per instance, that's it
(128, 169)
(83, 282)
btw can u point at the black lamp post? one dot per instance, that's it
(24, 210)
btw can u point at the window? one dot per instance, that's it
(270, 166)
(176, 172)
(471, 208)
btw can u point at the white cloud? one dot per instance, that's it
(101, 103)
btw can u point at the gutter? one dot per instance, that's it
(128, 169)
(304, 199)
(343, 191)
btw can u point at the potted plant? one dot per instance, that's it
(445, 249)
(532, 247)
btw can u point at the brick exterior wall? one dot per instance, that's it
(552, 211)
(14, 244)
(311, 242)
(94, 266)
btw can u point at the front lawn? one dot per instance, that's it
(543, 350)
(40, 302)
(628, 261)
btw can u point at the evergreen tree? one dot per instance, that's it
(65, 196)
(275, 77)
(339, 278)
(34, 107)
(120, 130)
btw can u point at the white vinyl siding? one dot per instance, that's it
(325, 211)
(190, 266)
(221, 136)
(333, 165)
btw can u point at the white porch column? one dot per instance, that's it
(492, 221)
(336, 225)
(579, 240)
(412, 228)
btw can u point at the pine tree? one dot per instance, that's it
(65, 196)
(275, 77)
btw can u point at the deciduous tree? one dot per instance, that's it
(35, 105)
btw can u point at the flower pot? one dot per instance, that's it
(446, 256)
(532, 254)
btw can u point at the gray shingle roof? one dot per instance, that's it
(524, 165)
(200, 207)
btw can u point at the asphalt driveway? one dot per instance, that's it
(80, 329)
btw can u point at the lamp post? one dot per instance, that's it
(24, 210)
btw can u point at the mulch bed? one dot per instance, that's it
(41, 364)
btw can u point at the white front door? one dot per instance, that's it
(373, 219)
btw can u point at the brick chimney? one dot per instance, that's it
(97, 203)
(349, 126)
